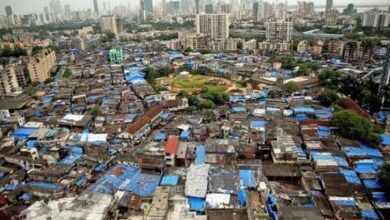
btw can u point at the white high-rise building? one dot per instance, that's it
(216, 26)
(376, 19)
(331, 16)
(279, 30)
(280, 11)
(329, 4)
(262, 10)
(305, 9)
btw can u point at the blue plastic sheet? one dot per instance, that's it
(385, 139)
(160, 136)
(242, 196)
(185, 135)
(369, 215)
(380, 197)
(196, 204)
(372, 184)
(238, 109)
(257, 124)
(341, 161)
(248, 178)
(350, 176)
(45, 185)
(365, 167)
(304, 110)
(362, 151)
(127, 178)
(171, 180)
(323, 131)
(345, 202)
(23, 133)
(26, 196)
(200, 154)
(70, 159)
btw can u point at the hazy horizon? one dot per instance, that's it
(36, 6)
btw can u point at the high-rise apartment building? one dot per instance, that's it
(209, 8)
(280, 11)
(305, 9)
(331, 16)
(96, 7)
(262, 10)
(376, 19)
(8, 10)
(216, 26)
(197, 2)
(108, 23)
(41, 65)
(279, 30)
(329, 4)
(226, 8)
(8, 80)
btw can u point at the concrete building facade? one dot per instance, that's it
(216, 26)
(41, 65)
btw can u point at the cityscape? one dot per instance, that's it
(194, 110)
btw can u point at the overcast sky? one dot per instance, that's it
(35, 6)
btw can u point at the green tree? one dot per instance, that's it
(188, 49)
(30, 90)
(329, 79)
(36, 49)
(350, 125)
(290, 87)
(95, 111)
(328, 97)
(384, 177)
(67, 74)
(207, 104)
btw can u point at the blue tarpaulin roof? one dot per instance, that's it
(350, 176)
(301, 117)
(45, 185)
(248, 178)
(70, 159)
(127, 178)
(242, 196)
(380, 197)
(365, 167)
(341, 161)
(362, 151)
(185, 135)
(372, 184)
(323, 113)
(26, 196)
(238, 109)
(171, 180)
(257, 124)
(385, 139)
(323, 131)
(200, 154)
(23, 133)
(32, 143)
(345, 202)
(196, 204)
(303, 110)
(369, 215)
(160, 136)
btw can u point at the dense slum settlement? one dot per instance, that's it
(105, 145)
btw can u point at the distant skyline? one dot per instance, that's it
(36, 6)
